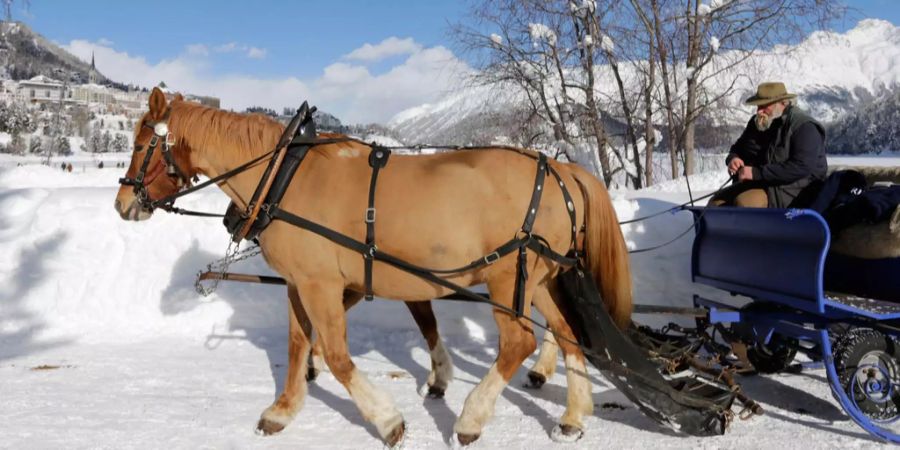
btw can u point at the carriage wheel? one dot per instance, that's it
(869, 372)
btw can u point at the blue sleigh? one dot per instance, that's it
(828, 306)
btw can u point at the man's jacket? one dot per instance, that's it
(786, 158)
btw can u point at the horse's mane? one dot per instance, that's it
(240, 135)
(244, 135)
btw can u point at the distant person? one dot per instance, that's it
(69, 167)
(779, 160)
(100, 166)
(63, 167)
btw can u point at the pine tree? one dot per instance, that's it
(105, 142)
(120, 143)
(35, 145)
(94, 141)
(63, 147)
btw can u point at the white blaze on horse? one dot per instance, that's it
(441, 211)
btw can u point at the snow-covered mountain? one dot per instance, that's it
(835, 74)
(26, 53)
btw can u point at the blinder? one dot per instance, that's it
(143, 180)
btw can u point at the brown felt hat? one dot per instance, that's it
(770, 92)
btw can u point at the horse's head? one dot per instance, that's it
(158, 163)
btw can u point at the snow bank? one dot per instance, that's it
(72, 269)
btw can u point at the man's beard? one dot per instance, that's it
(763, 121)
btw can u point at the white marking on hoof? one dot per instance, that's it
(456, 445)
(399, 444)
(423, 390)
(441, 367)
(558, 435)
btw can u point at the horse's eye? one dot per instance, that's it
(138, 148)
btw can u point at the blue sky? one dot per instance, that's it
(362, 60)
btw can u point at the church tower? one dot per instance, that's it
(92, 75)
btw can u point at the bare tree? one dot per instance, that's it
(703, 50)
(645, 63)
(539, 48)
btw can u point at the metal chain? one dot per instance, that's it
(233, 254)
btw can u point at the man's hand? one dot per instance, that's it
(735, 165)
(745, 173)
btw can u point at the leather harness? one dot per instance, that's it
(295, 153)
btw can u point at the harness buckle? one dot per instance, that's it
(169, 140)
(370, 215)
(153, 141)
(492, 258)
(370, 253)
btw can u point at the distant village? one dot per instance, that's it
(44, 92)
(47, 116)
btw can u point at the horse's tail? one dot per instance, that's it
(604, 246)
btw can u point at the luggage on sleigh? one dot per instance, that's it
(835, 308)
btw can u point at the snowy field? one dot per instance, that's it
(105, 344)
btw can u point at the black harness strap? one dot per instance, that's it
(378, 158)
(570, 208)
(378, 255)
(527, 226)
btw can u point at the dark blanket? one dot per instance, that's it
(846, 199)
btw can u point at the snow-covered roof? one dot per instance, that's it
(41, 80)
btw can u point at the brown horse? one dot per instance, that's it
(438, 211)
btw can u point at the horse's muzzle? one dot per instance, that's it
(134, 211)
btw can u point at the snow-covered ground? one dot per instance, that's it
(105, 344)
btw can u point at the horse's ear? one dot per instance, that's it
(157, 103)
(178, 97)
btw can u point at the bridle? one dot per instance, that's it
(144, 179)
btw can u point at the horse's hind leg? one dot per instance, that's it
(277, 416)
(322, 300)
(441, 364)
(516, 343)
(579, 401)
(545, 366)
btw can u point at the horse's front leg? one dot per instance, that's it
(321, 299)
(316, 359)
(277, 416)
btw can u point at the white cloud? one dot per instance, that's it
(349, 91)
(106, 42)
(247, 50)
(256, 53)
(196, 49)
(225, 48)
(391, 46)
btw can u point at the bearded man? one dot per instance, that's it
(779, 160)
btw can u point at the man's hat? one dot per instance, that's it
(769, 92)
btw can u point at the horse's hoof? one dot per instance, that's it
(268, 427)
(395, 437)
(535, 380)
(435, 392)
(564, 433)
(466, 439)
(432, 392)
(311, 374)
